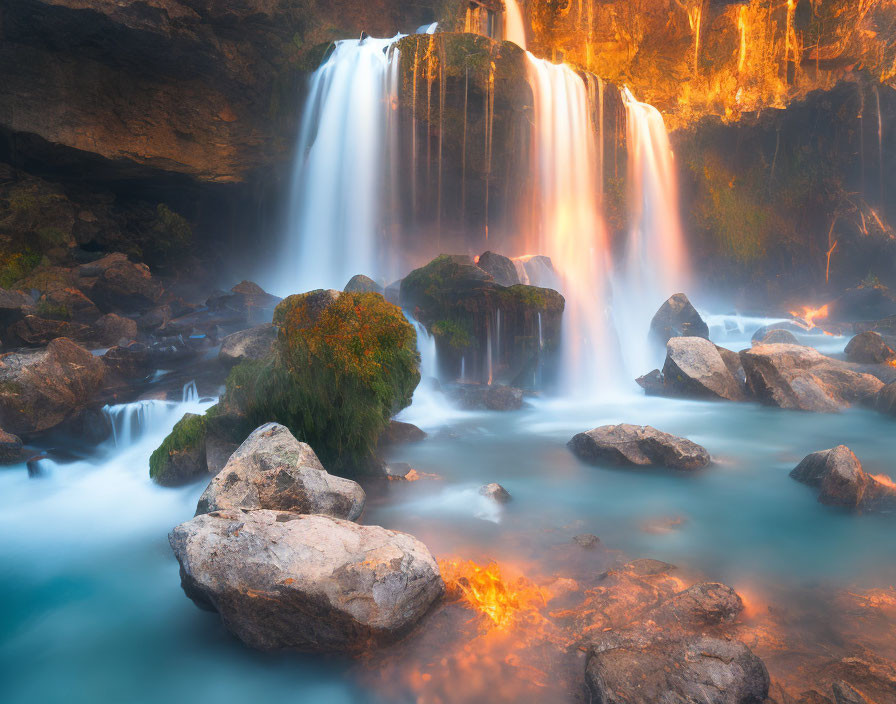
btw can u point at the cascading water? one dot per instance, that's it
(655, 264)
(569, 228)
(342, 159)
(514, 29)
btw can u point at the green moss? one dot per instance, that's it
(60, 311)
(335, 379)
(188, 434)
(455, 333)
(16, 266)
(170, 235)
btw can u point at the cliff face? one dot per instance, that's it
(200, 87)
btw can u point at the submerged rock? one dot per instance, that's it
(694, 367)
(640, 445)
(500, 268)
(273, 470)
(869, 348)
(801, 378)
(841, 481)
(400, 433)
(495, 492)
(314, 583)
(253, 343)
(494, 397)
(362, 284)
(639, 666)
(677, 318)
(589, 541)
(42, 388)
(702, 604)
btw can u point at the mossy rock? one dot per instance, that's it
(181, 456)
(338, 373)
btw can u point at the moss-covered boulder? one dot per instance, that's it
(181, 456)
(342, 366)
(492, 332)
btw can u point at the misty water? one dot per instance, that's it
(93, 608)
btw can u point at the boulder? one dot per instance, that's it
(42, 388)
(695, 368)
(181, 457)
(112, 329)
(35, 331)
(700, 605)
(643, 667)
(253, 343)
(67, 303)
(400, 433)
(129, 361)
(309, 582)
(677, 318)
(495, 492)
(841, 481)
(790, 326)
(801, 378)
(589, 541)
(777, 336)
(640, 445)
(117, 284)
(273, 470)
(494, 397)
(500, 268)
(311, 305)
(362, 284)
(869, 348)
(885, 400)
(10, 448)
(14, 305)
(247, 302)
(652, 383)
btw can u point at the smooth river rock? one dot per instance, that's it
(841, 481)
(694, 367)
(313, 583)
(252, 343)
(641, 445)
(869, 348)
(273, 470)
(801, 378)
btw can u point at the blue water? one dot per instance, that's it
(93, 610)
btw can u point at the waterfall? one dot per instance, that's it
(569, 227)
(655, 264)
(514, 29)
(341, 167)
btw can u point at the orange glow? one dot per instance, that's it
(883, 479)
(810, 315)
(486, 590)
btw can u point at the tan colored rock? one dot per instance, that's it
(639, 445)
(695, 368)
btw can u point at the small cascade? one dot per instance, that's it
(335, 212)
(569, 227)
(463, 369)
(488, 356)
(655, 264)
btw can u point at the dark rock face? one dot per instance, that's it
(362, 284)
(130, 361)
(801, 378)
(495, 492)
(254, 343)
(490, 329)
(36, 332)
(112, 329)
(400, 433)
(844, 693)
(652, 383)
(273, 470)
(117, 284)
(640, 445)
(181, 457)
(695, 368)
(314, 583)
(633, 668)
(677, 318)
(495, 397)
(41, 389)
(10, 448)
(841, 481)
(700, 605)
(500, 268)
(869, 348)
(885, 401)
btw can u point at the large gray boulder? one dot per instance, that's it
(640, 445)
(801, 378)
(314, 583)
(252, 343)
(841, 481)
(695, 368)
(641, 666)
(362, 284)
(677, 318)
(273, 470)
